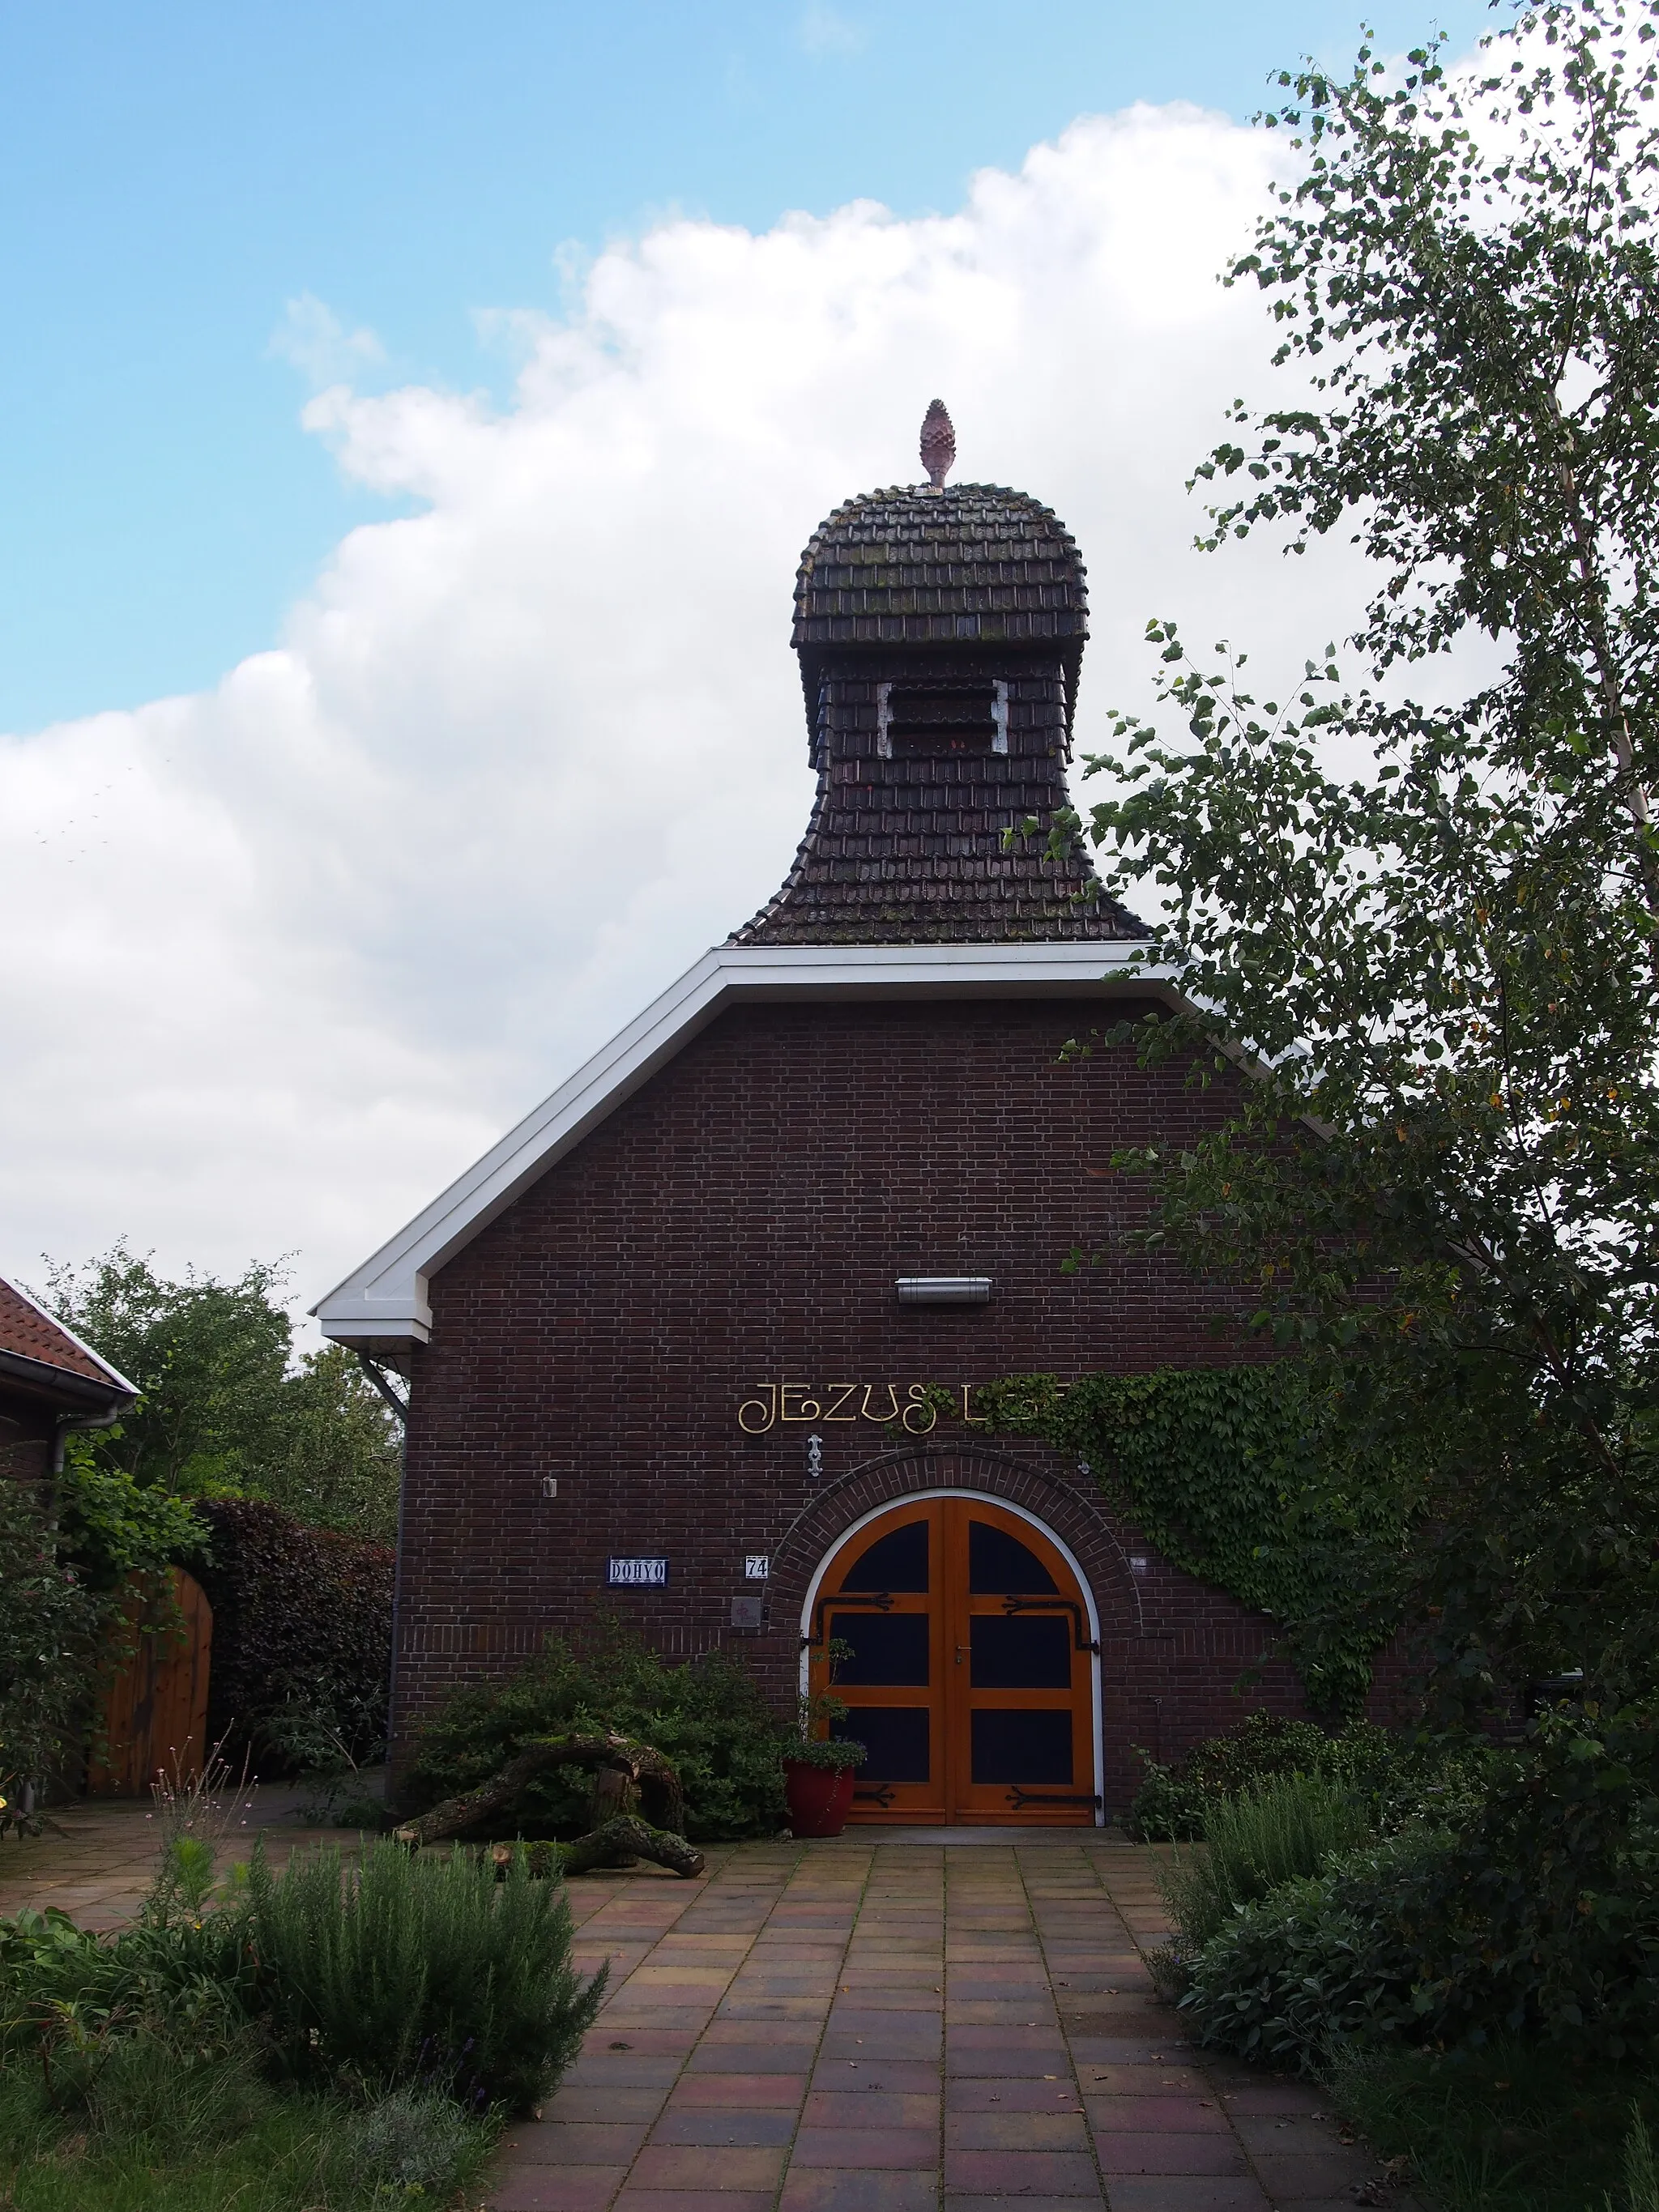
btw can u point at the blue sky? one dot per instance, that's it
(172, 175)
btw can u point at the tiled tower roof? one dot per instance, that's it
(940, 632)
(914, 566)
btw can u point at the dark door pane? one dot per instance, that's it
(1022, 1746)
(997, 1564)
(890, 1650)
(898, 1562)
(896, 1737)
(1021, 1651)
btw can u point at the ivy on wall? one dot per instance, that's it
(1241, 1477)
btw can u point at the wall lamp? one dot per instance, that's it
(944, 1290)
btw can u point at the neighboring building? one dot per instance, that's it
(667, 1343)
(49, 1383)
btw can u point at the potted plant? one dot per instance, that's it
(817, 1784)
(818, 1768)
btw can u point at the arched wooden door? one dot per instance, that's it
(962, 1652)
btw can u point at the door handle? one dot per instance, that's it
(960, 1648)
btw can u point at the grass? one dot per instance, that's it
(1513, 2130)
(154, 2135)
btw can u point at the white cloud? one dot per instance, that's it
(313, 339)
(286, 955)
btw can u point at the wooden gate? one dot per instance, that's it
(155, 1712)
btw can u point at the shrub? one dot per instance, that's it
(1536, 1919)
(405, 1968)
(413, 2140)
(1283, 1829)
(1292, 1976)
(48, 1624)
(1170, 1804)
(301, 1635)
(65, 1989)
(707, 1715)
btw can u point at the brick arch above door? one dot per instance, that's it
(1075, 1516)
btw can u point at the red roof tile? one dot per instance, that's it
(28, 1334)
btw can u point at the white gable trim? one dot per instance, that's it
(385, 1300)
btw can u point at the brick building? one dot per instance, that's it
(667, 1343)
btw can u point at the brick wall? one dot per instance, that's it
(26, 1428)
(740, 1222)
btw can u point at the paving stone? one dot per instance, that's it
(1127, 2154)
(1187, 2193)
(820, 2189)
(580, 2142)
(691, 2166)
(917, 2074)
(879, 2108)
(695, 2200)
(725, 2125)
(713, 2092)
(960, 2201)
(990, 2093)
(917, 2042)
(1022, 2173)
(1155, 2114)
(625, 2068)
(576, 2102)
(533, 2187)
(1027, 2131)
(867, 2145)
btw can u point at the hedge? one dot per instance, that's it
(301, 1635)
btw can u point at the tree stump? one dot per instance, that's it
(618, 1836)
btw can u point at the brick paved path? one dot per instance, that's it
(98, 1857)
(883, 2026)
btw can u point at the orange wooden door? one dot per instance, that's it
(155, 1712)
(965, 1668)
(885, 1610)
(1020, 1699)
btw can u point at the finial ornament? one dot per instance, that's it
(939, 443)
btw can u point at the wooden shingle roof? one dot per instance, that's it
(913, 566)
(967, 593)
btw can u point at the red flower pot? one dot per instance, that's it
(820, 1798)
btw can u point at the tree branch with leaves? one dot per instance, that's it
(1444, 971)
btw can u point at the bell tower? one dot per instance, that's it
(940, 630)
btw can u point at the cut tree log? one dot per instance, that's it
(623, 1766)
(618, 1843)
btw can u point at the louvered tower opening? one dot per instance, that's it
(920, 719)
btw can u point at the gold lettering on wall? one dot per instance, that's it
(890, 1411)
(755, 1415)
(916, 1410)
